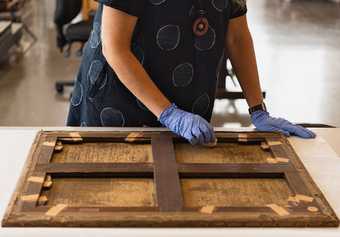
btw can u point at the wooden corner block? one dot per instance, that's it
(272, 161)
(36, 179)
(304, 198)
(207, 209)
(278, 209)
(282, 160)
(54, 211)
(75, 134)
(42, 200)
(300, 198)
(48, 182)
(59, 146)
(73, 139)
(293, 199)
(243, 137)
(50, 144)
(265, 146)
(313, 209)
(133, 136)
(30, 198)
(274, 143)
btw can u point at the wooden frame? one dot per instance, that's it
(307, 206)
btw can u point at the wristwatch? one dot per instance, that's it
(260, 107)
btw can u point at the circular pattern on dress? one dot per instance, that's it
(95, 36)
(201, 105)
(157, 2)
(206, 41)
(168, 37)
(219, 5)
(96, 68)
(182, 75)
(111, 117)
(77, 94)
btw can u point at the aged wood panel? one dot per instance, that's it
(101, 192)
(235, 192)
(222, 153)
(146, 179)
(104, 153)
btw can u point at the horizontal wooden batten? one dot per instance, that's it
(98, 169)
(94, 209)
(186, 170)
(97, 209)
(140, 140)
(93, 136)
(99, 135)
(233, 170)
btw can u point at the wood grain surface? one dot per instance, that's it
(104, 153)
(222, 153)
(155, 179)
(98, 192)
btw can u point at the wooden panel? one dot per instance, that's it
(235, 192)
(104, 153)
(155, 179)
(222, 153)
(94, 192)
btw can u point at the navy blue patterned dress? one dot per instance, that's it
(183, 66)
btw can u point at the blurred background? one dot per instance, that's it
(297, 44)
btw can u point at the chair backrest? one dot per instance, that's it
(65, 12)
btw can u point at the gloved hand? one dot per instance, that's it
(264, 122)
(192, 127)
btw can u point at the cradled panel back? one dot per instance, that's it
(155, 179)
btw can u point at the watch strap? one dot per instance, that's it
(260, 107)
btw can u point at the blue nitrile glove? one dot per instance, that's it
(192, 127)
(264, 122)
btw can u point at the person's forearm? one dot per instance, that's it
(242, 56)
(117, 32)
(132, 74)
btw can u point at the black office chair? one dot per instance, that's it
(222, 91)
(14, 11)
(69, 33)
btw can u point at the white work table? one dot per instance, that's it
(320, 156)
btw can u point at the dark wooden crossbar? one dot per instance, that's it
(168, 188)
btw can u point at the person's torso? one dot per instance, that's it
(183, 65)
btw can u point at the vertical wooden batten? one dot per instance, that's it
(166, 177)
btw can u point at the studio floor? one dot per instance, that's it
(298, 51)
